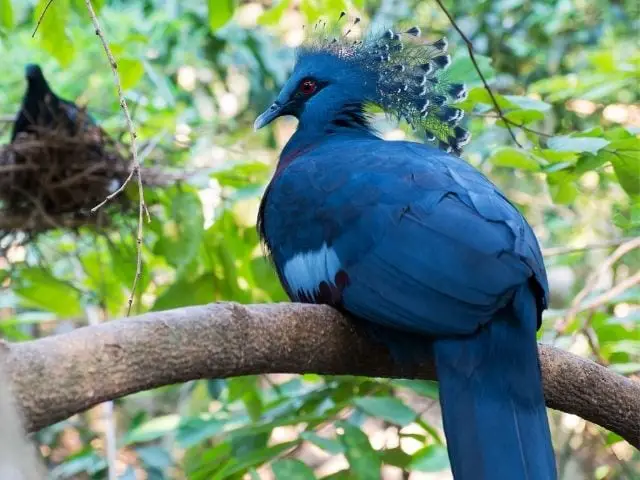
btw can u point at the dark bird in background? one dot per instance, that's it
(411, 239)
(41, 108)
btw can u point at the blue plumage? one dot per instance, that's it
(413, 239)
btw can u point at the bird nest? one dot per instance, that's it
(49, 179)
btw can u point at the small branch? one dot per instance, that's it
(612, 293)
(515, 124)
(469, 45)
(41, 17)
(592, 282)
(58, 376)
(135, 170)
(556, 251)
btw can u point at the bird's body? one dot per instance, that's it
(410, 238)
(42, 108)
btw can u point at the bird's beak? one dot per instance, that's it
(268, 116)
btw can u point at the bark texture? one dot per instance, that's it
(56, 377)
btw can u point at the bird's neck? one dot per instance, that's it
(317, 127)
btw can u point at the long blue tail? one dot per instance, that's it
(492, 401)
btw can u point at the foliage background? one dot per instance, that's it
(197, 73)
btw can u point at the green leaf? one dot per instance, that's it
(424, 388)
(238, 386)
(528, 103)
(626, 163)
(182, 233)
(289, 468)
(52, 32)
(311, 10)
(155, 457)
(40, 288)
(123, 264)
(396, 457)
(131, 72)
(564, 192)
(388, 408)
(274, 14)
(463, 70)
(559, 166)
(363, 459)
(329, 445)
(184, 293)
(256, 457)
(153, 429)
(433, 458)
(103, 282)
(553, 156)
(332, 8)
(515, 158)
(194, 430)
(81, 8)
(339, 475)
(243, 174)
(523, 117)
(577, 144)
(215, 387)
(6, 14)
(220, 12)
(246, 388)
(479, 95)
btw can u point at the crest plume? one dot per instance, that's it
(411, 76)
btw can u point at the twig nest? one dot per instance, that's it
(47, 176)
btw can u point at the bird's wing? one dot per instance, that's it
(20, 125)
(400, 234)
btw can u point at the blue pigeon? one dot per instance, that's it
(411, 239)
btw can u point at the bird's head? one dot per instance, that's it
(33, 72)
(35, 77)
(395, 71)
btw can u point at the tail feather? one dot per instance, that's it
(492, 400)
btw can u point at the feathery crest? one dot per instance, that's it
(411, 78)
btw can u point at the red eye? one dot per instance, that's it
(307, 87)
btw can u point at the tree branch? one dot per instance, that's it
(59, 376)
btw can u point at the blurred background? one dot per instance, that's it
(196, 74)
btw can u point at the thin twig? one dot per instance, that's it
(41, 17)
(592, 339)
(612, 293)
(555, 251)
(592, 282)
(134, 151)
(515, 124)
(477, 67)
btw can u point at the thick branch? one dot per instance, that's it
(59, 376)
